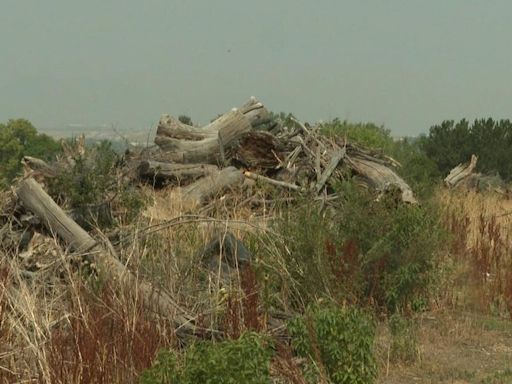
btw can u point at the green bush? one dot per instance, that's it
(94, 181)
(337, 342)
(362, 251)
(366, 134)
(246, 360)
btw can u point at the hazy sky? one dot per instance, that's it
(406, 64)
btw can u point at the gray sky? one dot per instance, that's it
(406, 64)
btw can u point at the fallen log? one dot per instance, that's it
(36, 200)
(212, 185)
(157, 171)
(379, 176)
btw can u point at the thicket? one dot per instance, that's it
(363, 252)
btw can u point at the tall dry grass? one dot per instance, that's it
(480, 227)
(62, 322)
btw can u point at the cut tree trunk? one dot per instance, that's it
(36, 200)
(218, 136)
(179, 173)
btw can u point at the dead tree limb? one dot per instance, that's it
(36, 200)
(333, 164)
(278, 183)
(379, 176)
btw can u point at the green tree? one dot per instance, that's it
(19, 138)
(450, 143)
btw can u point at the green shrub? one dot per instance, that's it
(246, 360)
(337, 342)
(397, 243)
(164, 369)
(362, 251)
(366, 134)
(94, 181)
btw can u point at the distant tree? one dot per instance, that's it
(450, 143)
(19, 138)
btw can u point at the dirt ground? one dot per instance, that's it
(454, 347)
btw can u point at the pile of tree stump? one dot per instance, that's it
(245, 144)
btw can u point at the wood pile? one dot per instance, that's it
(242, 144)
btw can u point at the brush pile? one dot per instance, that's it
(241, 152)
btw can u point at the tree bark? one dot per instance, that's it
(205, 147)
(181, 173)
(211, 185)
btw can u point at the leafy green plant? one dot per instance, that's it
(338, 342)
(246, 360)
(164, 369)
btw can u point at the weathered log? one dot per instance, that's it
(379, 176)
(212, 185)
(461, 172)
(168, 126)
(159, 171)
(337, 156)
(36, 200)
(229, 127)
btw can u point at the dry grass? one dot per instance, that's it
(57, 327)
(60, 324)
